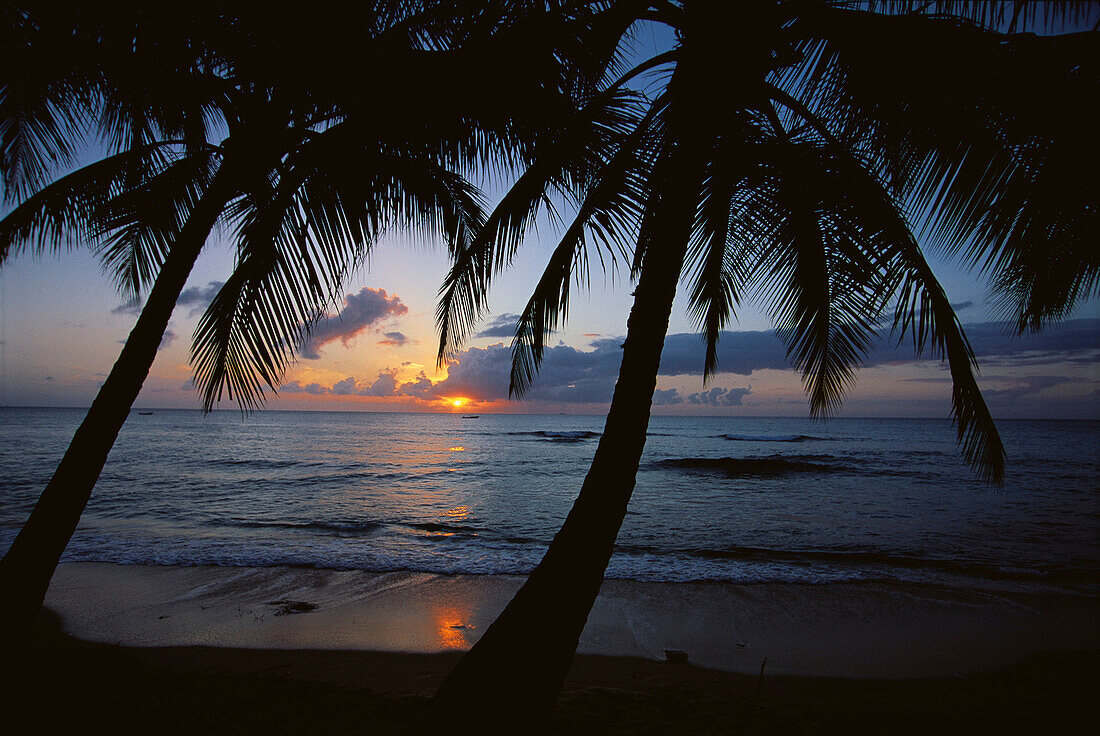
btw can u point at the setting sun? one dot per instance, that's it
(457, 402)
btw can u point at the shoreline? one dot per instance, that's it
(842, 630)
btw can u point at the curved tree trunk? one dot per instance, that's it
(514, 673)
(29, 564)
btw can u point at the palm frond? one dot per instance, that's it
(139, 225)
(820, 276)
(991, 146)
(71, 209)
(608, 215)
(299, 238)
(923, 309)
(563, 165)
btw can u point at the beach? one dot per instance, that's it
(320, 573)
(872, 658)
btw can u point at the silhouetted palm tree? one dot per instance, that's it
(213, 121)
(785, 153)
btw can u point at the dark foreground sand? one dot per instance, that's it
(74, 687)
(212, 650)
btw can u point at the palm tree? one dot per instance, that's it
(306, 175)
(785, 154)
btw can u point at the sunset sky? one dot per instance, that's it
(62, 326)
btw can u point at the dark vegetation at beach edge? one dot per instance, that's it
(194, 690)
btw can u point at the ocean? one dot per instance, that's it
(741, 500)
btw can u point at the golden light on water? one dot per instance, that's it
(456, 448)
(452, 629)
(458, 512)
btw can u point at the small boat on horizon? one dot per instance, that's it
(471, 416)
(145, 413)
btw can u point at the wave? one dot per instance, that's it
(339, 528)
(263, 463)
(868, 561)
(771, 465)
(436, 527)
(769, 437)
(560, 436)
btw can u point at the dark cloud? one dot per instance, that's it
(567, 375)
(666, 397)
(572, 376)
(199, 297)
(502, 326)
(167, 340)
(742, 353)
(960, 306)
(1025, 386)
(719, 396)
(361, 311)
(394, 339)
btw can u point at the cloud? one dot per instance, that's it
(742, 353)
(568, 375)
(571, 376)
(666, 397)
(167, 340)
(199, 297)
(1025, 386)
(131, 307)
(420, 387)
(394, 339)
(502, 326)
(385, 385)
(294, 387)
(719, 396)
(344, 387)
(361, 311)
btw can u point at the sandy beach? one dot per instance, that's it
(871, 630)
(868, 658)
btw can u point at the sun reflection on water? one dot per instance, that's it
(457, 513)
(452, 629)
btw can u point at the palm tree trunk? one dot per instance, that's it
(29, 564)
(514, 673)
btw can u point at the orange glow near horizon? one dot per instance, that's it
(457, 402)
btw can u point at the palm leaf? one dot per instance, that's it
(563, 164)
(71, 210)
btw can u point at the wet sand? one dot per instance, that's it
(870, 630)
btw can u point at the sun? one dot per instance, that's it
(457, 402)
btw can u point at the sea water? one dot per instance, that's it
(742, 500)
